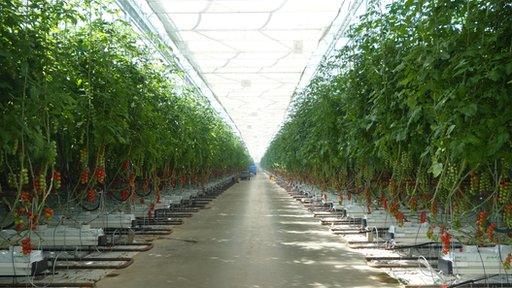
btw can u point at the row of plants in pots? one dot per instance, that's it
(414, 113)
(86, 106)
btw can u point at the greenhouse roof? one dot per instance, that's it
(253, 54)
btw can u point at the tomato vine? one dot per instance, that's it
(416, 110)
(86, 107)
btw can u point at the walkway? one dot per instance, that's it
(254, 235)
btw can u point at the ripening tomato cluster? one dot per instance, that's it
(84, 176)
(91, 195)
(57, 179)
(48, 213)
(125, 193)
(507, 215)
(423, 217)
(100, 175)
(39, 184)
(507, 263)
(446, 239)
(151, 209)
(26, 246)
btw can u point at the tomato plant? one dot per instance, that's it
(416, 109)
(88, 108)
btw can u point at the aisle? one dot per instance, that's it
(254, 235)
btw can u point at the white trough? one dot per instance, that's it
(102, 219)
(45, 236)
(175, 199)
(141, 210)
(14, 263)
(473, 260)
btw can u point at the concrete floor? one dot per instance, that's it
(254, 235)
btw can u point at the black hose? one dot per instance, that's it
(473, 280)
(422, 245)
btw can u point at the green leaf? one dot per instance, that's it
(498, 142)
(470, 109)
(401, 135)
(411, 101)
(436, 169)
(494, 75)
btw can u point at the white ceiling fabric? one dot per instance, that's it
(251, 53)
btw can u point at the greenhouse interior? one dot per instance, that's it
(256, 143)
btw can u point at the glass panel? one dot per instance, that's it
(237, 6)
(235, 21)
(252, 53)
(184, 6)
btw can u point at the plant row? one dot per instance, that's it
(87, 108)
(414, 113)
